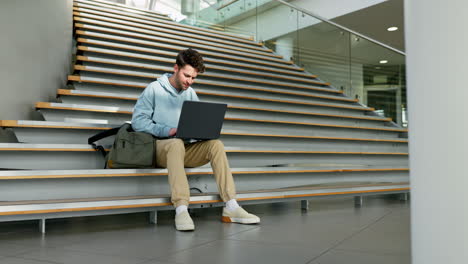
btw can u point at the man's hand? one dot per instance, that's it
(172, 132)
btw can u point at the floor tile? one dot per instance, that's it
(73, 257)
(322, 211)
(15, 260)
(349, 257)
(378, 232)
(8, 249)
(158, 262)
(36, 239)
(61, 232)
(319, 237)
(390, 235)
(235, 252)
(145, 243)
(319, 229)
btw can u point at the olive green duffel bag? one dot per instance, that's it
(130, 149)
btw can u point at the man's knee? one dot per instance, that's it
(216, 144)
(175, 144)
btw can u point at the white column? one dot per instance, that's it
(285, 47)
(437, 67)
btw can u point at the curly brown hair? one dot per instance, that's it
(191, 57)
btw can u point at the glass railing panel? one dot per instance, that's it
(323, 50)
(226, 16)
(378, 78)
(239, 17)
(352, 63)
(171, 8)
(278, 27)
(201, 13)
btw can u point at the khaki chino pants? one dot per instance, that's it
(174, 155)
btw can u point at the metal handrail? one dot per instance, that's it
(340, 26)
(226, 4)
(208, 3)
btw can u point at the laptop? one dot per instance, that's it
(200, 120)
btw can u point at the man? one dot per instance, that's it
(157, 112)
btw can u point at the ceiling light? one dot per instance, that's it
(383, 61)
(392, 28)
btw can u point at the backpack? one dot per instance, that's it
(130, 149)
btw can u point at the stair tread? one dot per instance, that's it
(81, 29)
(87, 37)
(119, 110)
(294, 82)
(201, 80)
(118, 6)
(110, 50)
(86, 147)
(156, 171)
(122, 96)
(142, 85)
(136, 28)
(98, 127)
(144, 24)
(168, 23)
(291, 192)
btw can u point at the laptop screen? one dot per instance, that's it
(201, 120)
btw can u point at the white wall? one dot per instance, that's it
(437, 51)
(334, 8)
(279, 20)
(35, 52)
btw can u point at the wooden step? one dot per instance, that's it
(86, 38)
(87, 148)
(126, 8)
(134, 98)
(111, 110)
(170, 34)
(151, 202)
(97, 128)
(88, 30)
(171, 55)
(247, 87)
(63, 174)
(26, 156)
(170, 62)
(169, 24)
(142, 66)
(144, 24)
(57, 125)
(141, 85)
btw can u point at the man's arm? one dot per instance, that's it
(172, 132)
(142, 115)
(195, 97)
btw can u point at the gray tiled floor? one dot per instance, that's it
(332, 231)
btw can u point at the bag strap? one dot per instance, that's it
(103, 134)
(100, 149)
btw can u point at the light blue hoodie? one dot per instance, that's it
(158, 107)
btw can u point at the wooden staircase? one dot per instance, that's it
(288, 134)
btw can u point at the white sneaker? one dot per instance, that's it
(239, 216)
(183, 222)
